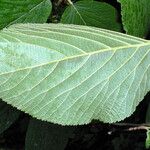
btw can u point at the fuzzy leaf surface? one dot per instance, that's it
(69, 74)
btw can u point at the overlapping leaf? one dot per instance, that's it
(92, 13)
(8, 116)
(70, 74)
(43, 135)
(135, 16)
(21, 11)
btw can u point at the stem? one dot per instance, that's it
(133, 127)
(131, 124)
(59, 2)
(71, 3)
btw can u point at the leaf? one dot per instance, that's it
(21, 11)
(8, 116)
(135, 16)
(91, 13)
(44, 136)
(69, 74)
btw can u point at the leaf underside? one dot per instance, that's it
(69, 74)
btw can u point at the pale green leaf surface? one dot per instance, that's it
(45, 136)
(21, 11)
(71, 74)
(136, 16)
(91, 13)
(8, 115)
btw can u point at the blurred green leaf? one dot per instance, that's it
(136, 16)
(91, 13)
(46, 136)
(8, 115)
(21, 11)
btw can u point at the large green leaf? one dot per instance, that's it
(71, 74)
(136, 16)
(45, 136)
(19, 11)
(8, 115)
(91, 13)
